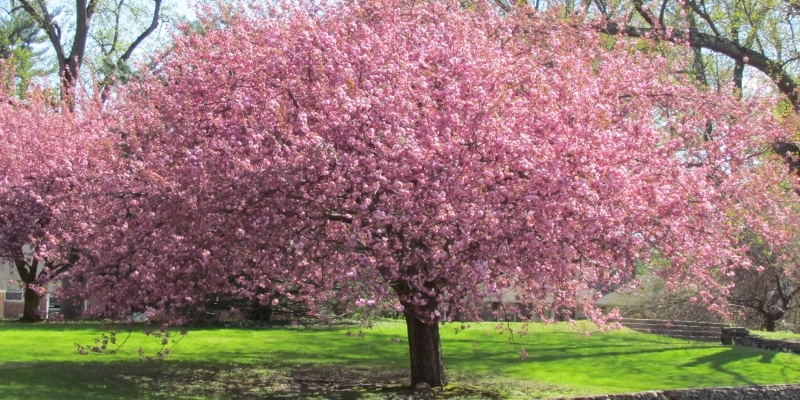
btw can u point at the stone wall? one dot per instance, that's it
(690, 330)
(769, 392)
(742, 337)
(792, 346)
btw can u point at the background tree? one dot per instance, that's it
(760, 298)
(768, 295)
(106, 22)
(651, 298)
(48, 159)
(425, 153)
(19, 37)
(748, 33)
(727, 39)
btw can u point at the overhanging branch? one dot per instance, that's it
(785, 83)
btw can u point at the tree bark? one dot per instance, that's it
(70, 307)
(425, 349)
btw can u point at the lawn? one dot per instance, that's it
(40, 362)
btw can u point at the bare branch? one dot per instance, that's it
(42, 16)
(150, 29)
(704, 15)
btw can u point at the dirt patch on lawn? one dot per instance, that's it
(294, 382)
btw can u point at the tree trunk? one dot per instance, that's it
(769, 324)
(424, 342)
(425, 348)
(28, 273)
(70, 307)
(30, 311)
(738, 76)
(771, 318)
(68, 83)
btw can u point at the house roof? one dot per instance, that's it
(626, 295)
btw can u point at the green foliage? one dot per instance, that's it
(325, 362)
(19, 36)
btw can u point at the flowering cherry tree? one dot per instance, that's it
(49, 160)
(429, 154)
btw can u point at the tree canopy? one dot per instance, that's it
(432, 155)
(51, 161)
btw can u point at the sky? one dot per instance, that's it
(184, 8)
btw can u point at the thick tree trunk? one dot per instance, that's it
(424, 342)
(30, 311)
(28, 273)
(425, 348)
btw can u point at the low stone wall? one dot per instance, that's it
(770, 392)
(742, 337)
(792, 346)
(690, 330)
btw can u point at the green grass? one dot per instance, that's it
(777, 335)
(40, 362)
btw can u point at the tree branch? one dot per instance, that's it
(45, 20)
(336, 217)
(782, 79)
(150, 29)
(704, 15)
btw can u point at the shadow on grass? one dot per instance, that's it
(193, 380)
(645, 363)
(718, 361)
(179, 380)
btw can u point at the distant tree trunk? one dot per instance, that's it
(771, 317)
(70, 307)
(769, 324)
(738, 75)
(424, 342)
(30, 311)
(69, 79)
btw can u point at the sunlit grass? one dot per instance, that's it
(777, 335)
(335, 362)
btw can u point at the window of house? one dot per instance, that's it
(55, 305)
(13, 296)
